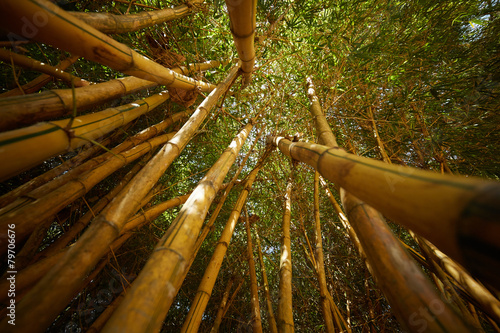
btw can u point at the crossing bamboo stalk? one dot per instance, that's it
(204, 292)
(53, 292)
(320, 265)
(24, 148)
(50, 24)
(254, 289)
(272, 321)
(225, 302)
(156, 286)
(29, 63)
(40, 81)
(242, 15)
(285, 312)
(20, 111)
(116, 24)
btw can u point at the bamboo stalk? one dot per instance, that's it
(272, 321)
(60, 29)
(242, 16)
(116, 24)
(26, 147)
(254, 289)
(151, 294)
(430, 204)
(285, 312)
(204, 292)
(224, 305)
(19, 111)
(25, 62)
(320, 265)
(40, 81)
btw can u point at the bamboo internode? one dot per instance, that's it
(117, 24)
(242, 14)
(457, 214)
(68, 33)
(44, 140)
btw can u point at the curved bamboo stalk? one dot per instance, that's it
(200, 301)
(55, 290)
(40, 81)
(242, 15)
(272, 321)
(27, 147)
(285, 312)
(25, 110)
(151, 294)
(457, 214)
(58, 28)
(116, 24)
(320, 265)
(25, 62)
(254, 289)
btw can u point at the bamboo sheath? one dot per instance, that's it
(26, 147)
(285, 312)
(27, 217)
(55, 290)
(40, 81)
(199, 304)
(457, 214)
(50, 24)
(26, 62)
(117, 24)
(154, 289)
(242, 14)
(19, 111)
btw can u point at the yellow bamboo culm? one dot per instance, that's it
(457, 214)
(44, 140)
(117, 24)
(50, 24)
(242, 14)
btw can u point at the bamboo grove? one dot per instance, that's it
(265, 166)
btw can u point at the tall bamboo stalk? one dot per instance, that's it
(254, 289)
(53, 292)
(158, 283)
(272, 321)
(26, 62)
(60, 29)
(224, 305)
(40, 81)
(200, 301)
(242, 14)
(24, 148)
(285, 312)
(430, 204)
(320, 265)
(19, 111)
(117, 24)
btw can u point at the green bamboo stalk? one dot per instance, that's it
(27, 147)
(56, 27)
(116, 24)
(151, 294)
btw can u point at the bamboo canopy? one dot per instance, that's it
(391, 189)
(242, 15)
(66, 32)
(116, 24)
